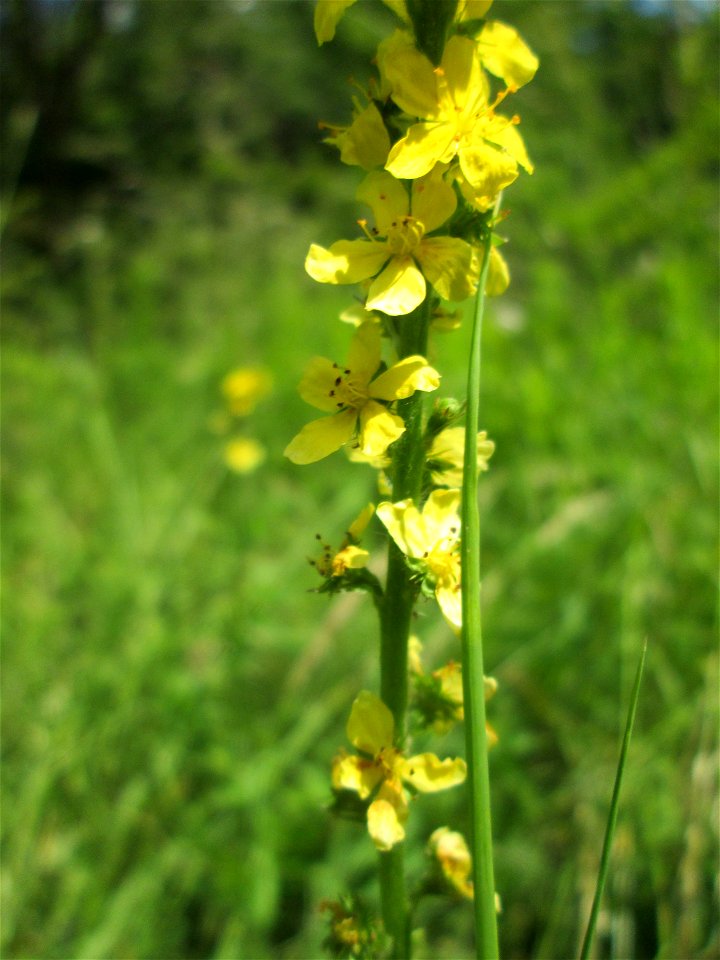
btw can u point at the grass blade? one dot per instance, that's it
(612, 815)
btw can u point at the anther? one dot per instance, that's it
(332, 393)
(338, 381)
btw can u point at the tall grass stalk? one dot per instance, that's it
(476, 747)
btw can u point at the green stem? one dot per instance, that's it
(486, 936)
(396, 613)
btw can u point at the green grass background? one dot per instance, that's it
(173, 692)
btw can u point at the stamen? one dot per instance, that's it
(363, 224)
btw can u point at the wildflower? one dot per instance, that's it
(446, 453)
(439, 696)
(382, 770)
(350, 556)
(353, 931)
(457, 117)
(453, 857)
(430, 540)
(244, 455)
(366, 142)
(402, 260)
(353, 392)
(244, 387)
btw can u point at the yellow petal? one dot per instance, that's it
(399, 288)
(404, 378)
(349, 558)
(462, 72)
(451, 684)
(506, 55)
(487, 169)
(364, 354)
(327, 14)
(243, 454)
(404, 524)
(355, 773)
(321, 437)
(440, 516)
(454, 858)
(243, 387)
(384, 825)
(428, 774)
(378, 428)
(498, 278)
(358, 526)
(386, 197)
(415, 655)
(450, 265)
(449, 598)
(424, 145)
(433, 200)
(508, 136)
(347, 261)
(371, 726)
(317, 382)
(410, 76)
(366, 142)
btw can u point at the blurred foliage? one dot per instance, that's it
(173, 693)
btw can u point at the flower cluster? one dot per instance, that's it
(242, 389)
(436, 147)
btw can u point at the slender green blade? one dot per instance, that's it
(612, 815)
(486, 936)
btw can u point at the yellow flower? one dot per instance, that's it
(351, 393)
(243, 387)
(431, 538)
(244, 455)
(453, 856)
(402, 260)
(350, 556)
(445, 456)
(366, 142)
(442, 702)
(457, 117)
(382, 770)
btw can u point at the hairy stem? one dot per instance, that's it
(396, 613)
